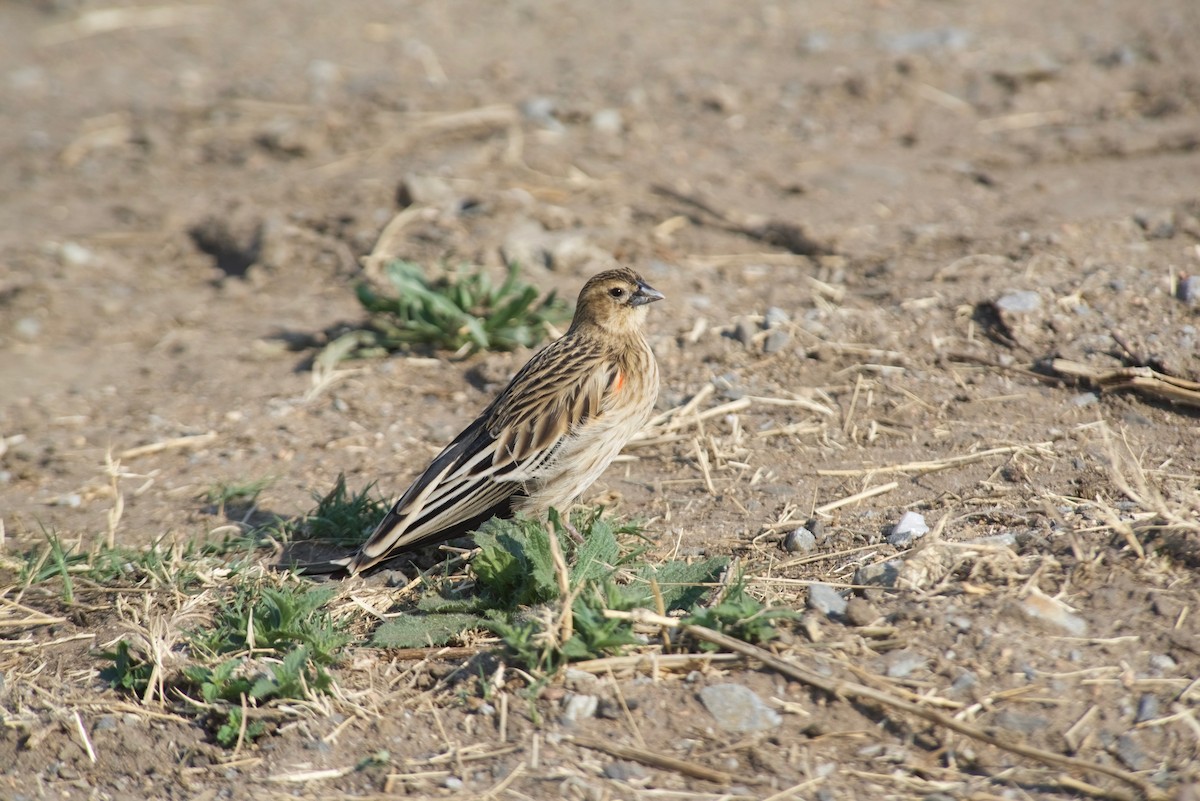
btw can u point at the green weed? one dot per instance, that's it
(127, 672)
(341, 517)
(230, 493)
(462, 312)
(519, 598)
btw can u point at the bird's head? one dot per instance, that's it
(614, 300)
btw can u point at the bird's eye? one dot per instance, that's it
(617, 292)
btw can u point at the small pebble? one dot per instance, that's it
(1129, 752)
(900, 664)
(965, 681)
(1147, 708)
(861, 612)
(827, 600)
(738, 709)
(744, 332)
(1188, 290)
(580, 680)
(453, 783)
(880, 574)
(775, 317)
(28, 328)
(799, 540)
(1162, 662)
(541, 110)
(1158, 224)
(777, 340)
(911, 527)
(72, 254)
(608, 121)
(1019, 302)
(579, 707)
(623, 771)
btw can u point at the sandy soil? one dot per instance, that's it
(936, 199)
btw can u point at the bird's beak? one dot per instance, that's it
(645, 294)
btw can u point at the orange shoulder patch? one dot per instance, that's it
(618, 381)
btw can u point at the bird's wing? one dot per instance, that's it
(514, 438)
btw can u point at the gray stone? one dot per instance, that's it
(73, 254)
(1162, 662)
(427, 190)
(1019, 302)
(826, 599)
(1158, 224)
(880, 574)
(579, 707)
(1188, 290)
(775, 317)
(541, 110)
(861, 612)
(580, 680)
(738, 709)
(899, 664)
(623, 771)
(744, 332)
(965, 681)
(608, 121)
(28, 328)
(799, 540)
(1147, 708)
(911, 527)
(776, 341)
(1128, 751)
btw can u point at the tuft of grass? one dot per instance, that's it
(232, 493)
(265, 644)
(274, 620)
(55, 561)
(341, 517)
(463, 312)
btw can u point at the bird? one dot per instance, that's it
(546, 437)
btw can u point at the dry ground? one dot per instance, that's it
(189, 190)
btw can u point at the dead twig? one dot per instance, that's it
(654, 759)
(1142, 380)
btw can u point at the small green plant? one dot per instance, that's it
(341, 517)
(519, 596)
(285, 627)
(127, 672)
(231, 493)
(272, 620)
(740, 615)
(463, 312)
(54, 561)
